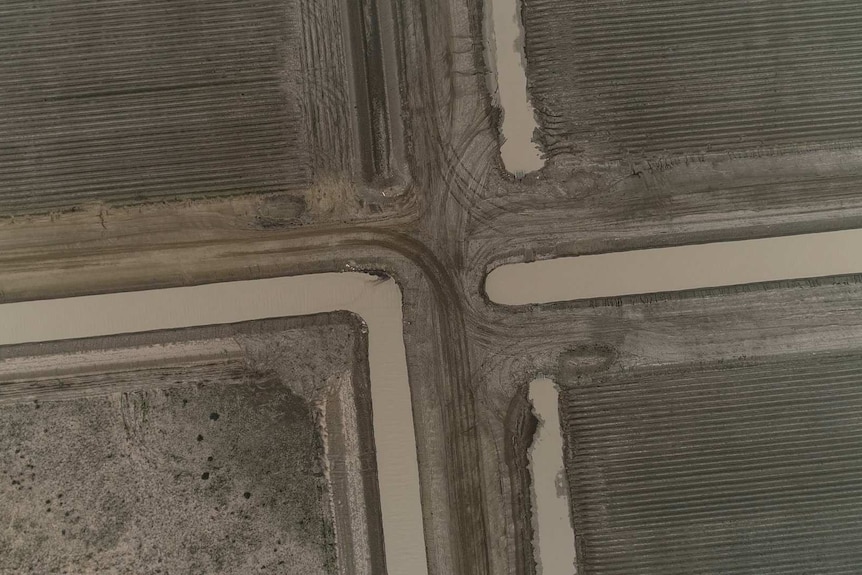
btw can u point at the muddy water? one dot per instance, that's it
(553, 538)
(378, 303)
(505, 42)
(677, 268)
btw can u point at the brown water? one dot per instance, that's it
(677, 268)
(505, 56)
(553, 538)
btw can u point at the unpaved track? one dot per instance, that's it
(456, 216)
(270, 254)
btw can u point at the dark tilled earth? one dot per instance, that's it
(653, 78)
(141, 101)
(731, 468)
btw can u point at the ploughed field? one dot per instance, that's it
(128, 101)
(737, 467)
(623, 80)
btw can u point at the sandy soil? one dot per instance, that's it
(208, 463)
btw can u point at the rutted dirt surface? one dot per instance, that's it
(456, 214)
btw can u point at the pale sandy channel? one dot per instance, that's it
(677, 268)
(553, 538)
(508, 83)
